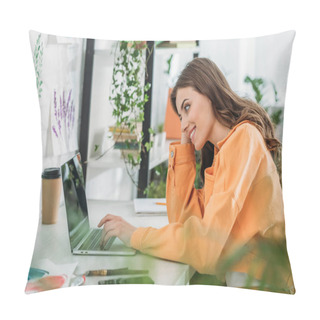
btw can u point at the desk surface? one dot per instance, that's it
(52, 243)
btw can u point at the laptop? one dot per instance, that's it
(83, 239)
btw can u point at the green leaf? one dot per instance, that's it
(148, 145)
(123, 45)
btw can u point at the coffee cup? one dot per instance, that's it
(51, 193)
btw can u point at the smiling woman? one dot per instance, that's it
(221, 108)
(220, 229)
(235, 224)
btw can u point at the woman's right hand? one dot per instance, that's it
(185, 138)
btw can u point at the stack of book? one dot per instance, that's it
(125, 140)
(177, 44)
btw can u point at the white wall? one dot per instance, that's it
(263, 57)
(104, 181)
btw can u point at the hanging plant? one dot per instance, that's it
(128, 96)
(37, 60)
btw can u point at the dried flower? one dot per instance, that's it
(64, 116)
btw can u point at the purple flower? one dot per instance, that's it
(55, 132)
(69, 99)
(73, 113)
(55, 105)
(60, 113)
(64, 115)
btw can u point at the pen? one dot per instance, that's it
(161, 203)
(133, 280)
(113, 272)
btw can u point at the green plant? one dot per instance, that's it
(156, 190)
(276, 116)
(258, 85)
(37, 60)
(198, 183)
(160, 127)
(157, 187)
(169, 65)
(268, 259)
(129, 93)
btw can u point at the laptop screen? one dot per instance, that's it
(75, 199)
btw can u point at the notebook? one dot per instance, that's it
(84, 240)
(150, 206)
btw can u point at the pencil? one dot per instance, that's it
(161, 203)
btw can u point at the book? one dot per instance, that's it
(125, 129)
(126, 146)
(177, 44)
(153, 206)
(118, 130)
(121, 137)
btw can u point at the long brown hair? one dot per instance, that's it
(205, 77)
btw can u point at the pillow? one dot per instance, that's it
(195, 200)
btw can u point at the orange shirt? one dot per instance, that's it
(241, 198)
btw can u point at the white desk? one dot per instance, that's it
(53, 243)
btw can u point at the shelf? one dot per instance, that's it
(155, 162)
(112, 159)
(163, 155)
(177, 50)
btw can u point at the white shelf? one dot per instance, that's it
(155, 161)
(112, 159)
(160, 155)
(158, 50)
(176, 50)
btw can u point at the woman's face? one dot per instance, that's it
(197, 119)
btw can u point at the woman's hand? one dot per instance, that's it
(115, 226)
(185, 138)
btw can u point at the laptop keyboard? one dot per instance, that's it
(93, 241)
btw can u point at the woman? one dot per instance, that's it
(221, 228)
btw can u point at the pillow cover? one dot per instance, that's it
(104, 116)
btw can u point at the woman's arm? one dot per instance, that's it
(183, 200)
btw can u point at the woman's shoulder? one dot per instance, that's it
(243, 130)
(247, 127)
(250, 131)
(244, 135)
